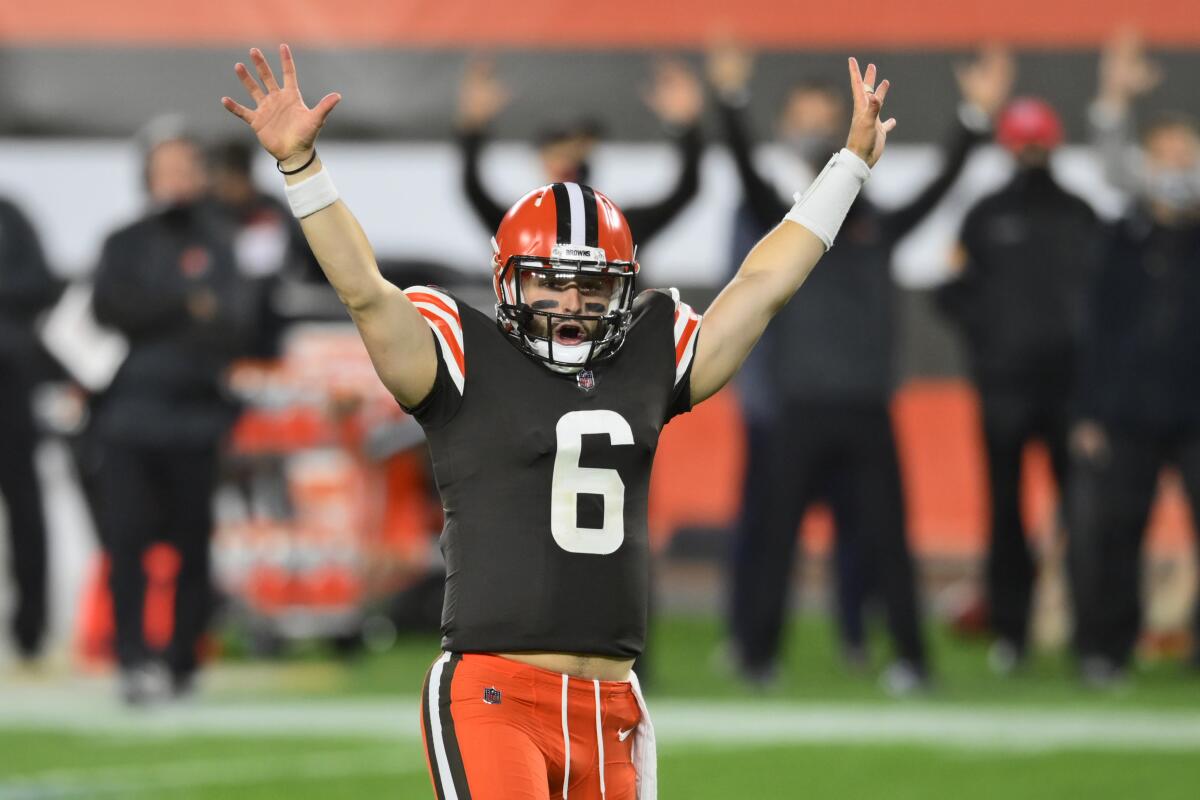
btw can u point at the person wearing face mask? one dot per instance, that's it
(169, 283)
(1139, 394)
(1170, 182)
(817, 394)
(1026, 259)
(676, 98)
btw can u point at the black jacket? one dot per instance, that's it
(834, 341)
(645, 222)
(1032, 250)
(272, 253)
(26, 289)
(170, 391)
(1141, 368)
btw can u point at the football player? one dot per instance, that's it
(543, 422)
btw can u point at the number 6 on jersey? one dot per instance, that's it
(571, 480)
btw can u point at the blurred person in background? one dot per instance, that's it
(1139, 398)
(676, 98)
(26, 289)
(169, 283)
(268, 244)
(820, 425)
(1026, 260)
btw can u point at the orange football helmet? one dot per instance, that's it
(555, 237)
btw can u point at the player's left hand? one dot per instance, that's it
(676, 96)
(867, 133)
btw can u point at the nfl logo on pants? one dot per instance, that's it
(491, 696)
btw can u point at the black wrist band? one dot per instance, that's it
(306, 165)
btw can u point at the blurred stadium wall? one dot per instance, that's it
(78, 79)
(72, 70)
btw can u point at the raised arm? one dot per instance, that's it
(729, 71)
(677, 99)
(985, 85)
(480, 98)
(398, 340)
(1125, 74)
(780, 262)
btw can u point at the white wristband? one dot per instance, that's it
(312, 194)
(823, 207)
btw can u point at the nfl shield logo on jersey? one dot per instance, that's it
(491, 696)
(586, 380)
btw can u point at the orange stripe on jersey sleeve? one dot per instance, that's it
(685, 338)
(447, 335)
(432, 299)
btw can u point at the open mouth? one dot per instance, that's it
(569, 333)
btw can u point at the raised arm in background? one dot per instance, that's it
(782, 260)
(397, 338)
(1125, 73)
(729, 70)
(677, 99)
(481, 96)
(985, 85)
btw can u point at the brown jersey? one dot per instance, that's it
(544, 478)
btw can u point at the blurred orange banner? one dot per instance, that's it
(613, 23)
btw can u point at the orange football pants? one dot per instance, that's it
(496, 729)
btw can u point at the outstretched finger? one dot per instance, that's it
(326, 105)
(882, 89)
(887, 126)
(873, 107)
(264, 69)
(237, 109)
(290, 79)
(256, 92)
(856, 83)
(869, 79)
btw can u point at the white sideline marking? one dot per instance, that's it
(728, 723)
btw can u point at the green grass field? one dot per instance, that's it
(310, 728)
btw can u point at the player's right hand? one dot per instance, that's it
(285, 127)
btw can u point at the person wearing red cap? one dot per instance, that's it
(1026, 256)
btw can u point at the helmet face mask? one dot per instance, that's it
(566, 313)
(563, 274)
